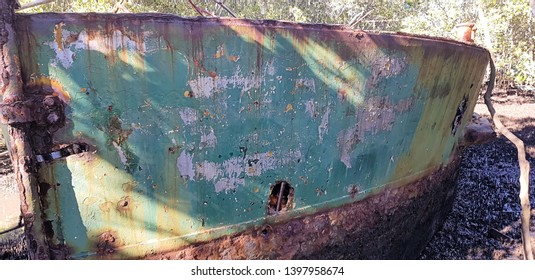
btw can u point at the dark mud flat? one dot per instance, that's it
(484, 223)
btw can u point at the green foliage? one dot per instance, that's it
(506, 27)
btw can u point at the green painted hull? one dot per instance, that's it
(192, 126)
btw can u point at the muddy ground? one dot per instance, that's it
(484, 222)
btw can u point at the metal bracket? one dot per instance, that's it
(63, 152)
(42, 110)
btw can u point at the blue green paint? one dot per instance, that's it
(192, 121)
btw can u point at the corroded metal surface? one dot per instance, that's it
(204, 128)
(394, 224)
(19, 138)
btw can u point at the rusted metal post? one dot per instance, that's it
(466, 32)
(21, 152)
(281, 192)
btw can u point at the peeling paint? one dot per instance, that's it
(206, 87)
(270, 68)
(209, 140)
(66, 43)
(184, 163)
(378, 114)
(229, 174)
(189, 116)
(384, 66)
(306, 83)
(324, 125)
(311, 108)
(346, 141)
(121, 154)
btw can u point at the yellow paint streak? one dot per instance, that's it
(290, 107)
(233, 58)
(220, 52)
(432, 142)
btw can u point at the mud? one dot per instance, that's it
(485, 219)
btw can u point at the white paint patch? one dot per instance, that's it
(346, 142)
(102, 43)
(378, 115)
(120, 152)
(307, 83)
(311, 108)
(324, 125)
(227, 184)
(270, 68)
(189, 116)
(209, 140)
(206, 87)
(384, 66)
(184, 163)
(229, 174)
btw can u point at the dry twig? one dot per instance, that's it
(523, 163)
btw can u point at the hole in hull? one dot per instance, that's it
(280, 198)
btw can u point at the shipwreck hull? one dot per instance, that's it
(158, 136)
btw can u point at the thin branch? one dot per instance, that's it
(34, 3)
(222, 5)
(359, 18)
(523, 163)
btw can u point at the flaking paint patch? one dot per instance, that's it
(379, 114)
(120, 152)
(310, 106)
(270, 67)
(206, 87)
(230, 174)
(384, 66)
(66, 45)
(209, 140)
(188, 115)
(307, 84)
(184, 164)
(324, 125)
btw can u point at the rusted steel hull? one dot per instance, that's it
(163, 134)
(393, 224)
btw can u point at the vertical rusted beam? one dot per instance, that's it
(21, 152)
